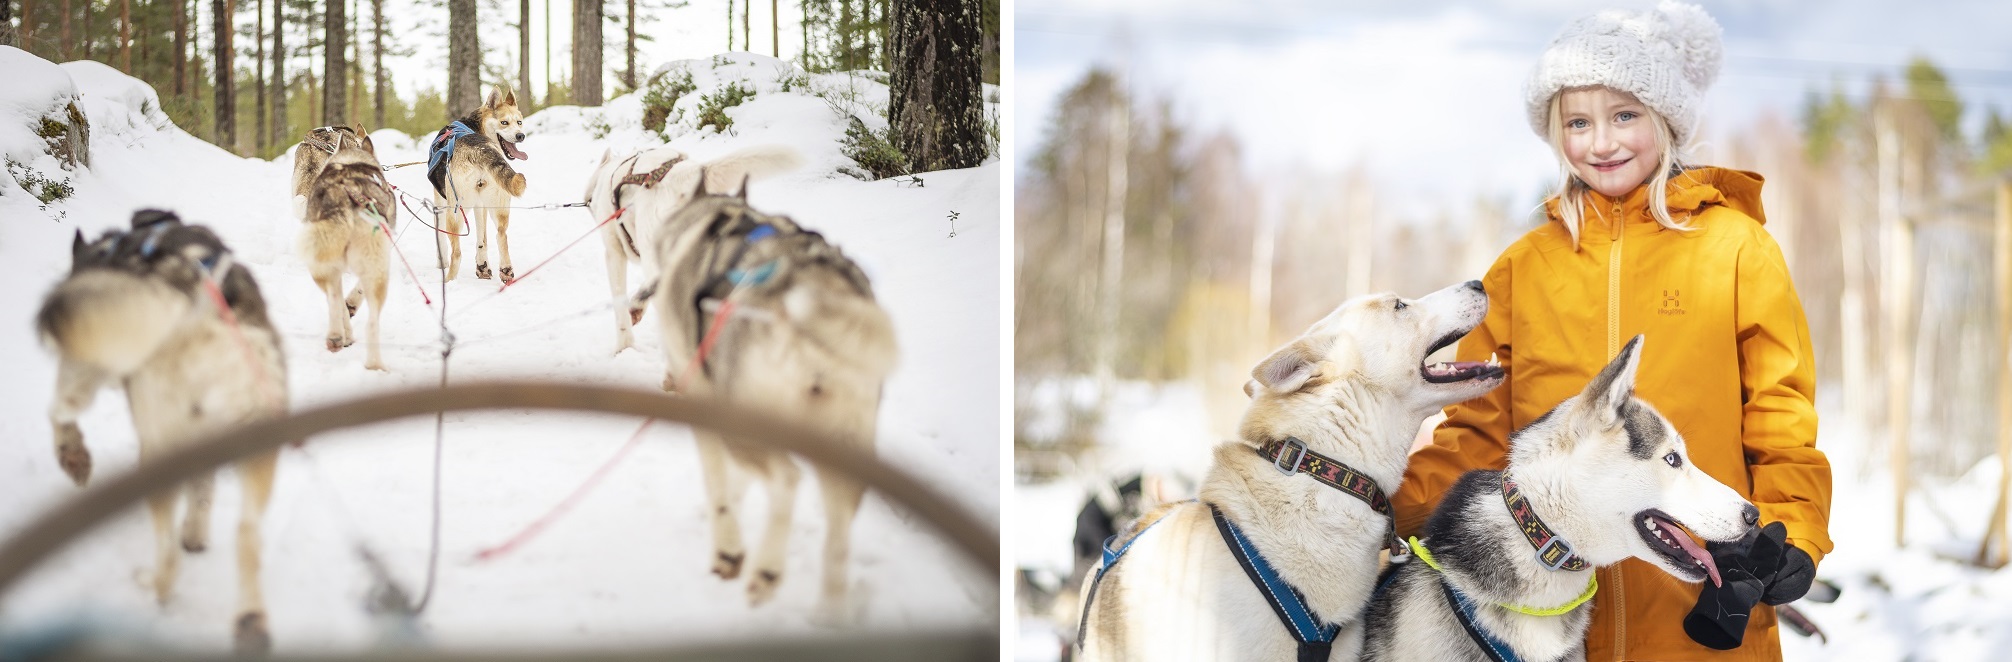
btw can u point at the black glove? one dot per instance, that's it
(1767, 570)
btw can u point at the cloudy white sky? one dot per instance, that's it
(1426, 95)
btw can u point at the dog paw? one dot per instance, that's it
(194, 540)
(482, 270)
(71, 453)
(336, 343)
(251, 637)
(636, 314)
(508, 275)
(670, 385)
(761, 588)
(375, 364)
(727, 566)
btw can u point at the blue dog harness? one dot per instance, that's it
(443, 144)
(1316, 638)
(1111, 558)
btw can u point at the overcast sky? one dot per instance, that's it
(1427, 95)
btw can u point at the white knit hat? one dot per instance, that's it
(1666, 58)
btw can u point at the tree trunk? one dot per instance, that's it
(354, 70)
(377, 79)
(84, 31)
(774, 29)
(936, 109)
(629, 73)
(181, 43)
(804, 7)
(464, 60)
(523, 57)
(747, 31)
(730, 24)
(279, 126)
(1896, 300)
(66, 29)
(587, 44)
(334, 70)
(125, 35)
(226, 111)
(7, 36)
(258, 63)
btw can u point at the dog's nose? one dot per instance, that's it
(1750, 514)
(1473, 285)
(520, 138)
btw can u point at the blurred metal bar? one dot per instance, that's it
(972, 645)
(738, 425)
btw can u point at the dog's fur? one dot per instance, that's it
(1594, 469)
(807, 343)
(136, 311)
(1354, 388)
(648, 209)
(480, 177)
(313, 151)
(346, 200)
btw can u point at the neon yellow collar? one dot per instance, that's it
(1592, 586)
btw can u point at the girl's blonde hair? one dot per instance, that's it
(1571, 190)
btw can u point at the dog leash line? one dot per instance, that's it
(597, 227)
(566, 505)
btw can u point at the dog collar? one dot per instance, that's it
(1552, 550)
(1291, 456)
(647, 179)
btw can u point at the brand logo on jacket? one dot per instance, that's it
(1671, 304)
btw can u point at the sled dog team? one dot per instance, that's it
(163, 311)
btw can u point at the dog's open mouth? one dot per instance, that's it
(510, 150)
(1456, 371)
(1667, 538)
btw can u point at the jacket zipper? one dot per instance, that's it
(1614, 347)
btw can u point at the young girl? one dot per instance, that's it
(1639, 243)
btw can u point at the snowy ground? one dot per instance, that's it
(628, 566)
(1919, 602)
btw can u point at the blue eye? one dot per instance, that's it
(1626, 115)
(1576, 124)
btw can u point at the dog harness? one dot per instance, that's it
(1291, 456)
(646, 180)
(1111, 558)
(1315, 637)
(443, 144)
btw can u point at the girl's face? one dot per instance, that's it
(1608, 139)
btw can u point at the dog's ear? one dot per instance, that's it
(699, 190)
(494, 98)
(509, 96)
(1612, 389)
(77, 246)
(743, 193)
(1286, 370)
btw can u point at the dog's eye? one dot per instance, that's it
(1674, 459)
(1402, 305)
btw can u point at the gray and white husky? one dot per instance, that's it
(649, 187)
(794, 330)
(1605, 472)
(1353, 389)
(140, 310)
(350, 216)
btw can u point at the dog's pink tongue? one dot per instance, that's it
(1684, 541)
(510, 149)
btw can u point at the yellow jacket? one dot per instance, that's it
(1727, 360)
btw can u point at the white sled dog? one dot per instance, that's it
(1600, 478)
(1279, 556)
(350, 215)
(138, 310)
(649, 187)
(469, 164)
(793, 330)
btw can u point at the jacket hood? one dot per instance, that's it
(1693, 190)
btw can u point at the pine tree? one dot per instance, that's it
(936, 113)
(334, 42)
(464, 59)
(226, 110)
(587, 45)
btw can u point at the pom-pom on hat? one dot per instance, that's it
(1665, 58)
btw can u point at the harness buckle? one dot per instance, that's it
(1562, 558)
(1289, 468)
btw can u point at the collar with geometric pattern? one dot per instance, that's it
(1291, 456)
(1552, 550)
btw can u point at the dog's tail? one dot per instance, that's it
(514, 184)
(725, 174)
(110, 321)
(849, 327)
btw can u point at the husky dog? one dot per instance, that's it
(786, 324)
(1340, 404)
(140, 310)
(648, 188)
(349, 218)
(469, 165)
(314, 150)
(1603, 471)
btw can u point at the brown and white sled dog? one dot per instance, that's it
(350, 213)
(649, 187)
(1351, 391)
(803, 338)
(479, 177)
(1603, 471)
(314, 150)
(137, 310)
